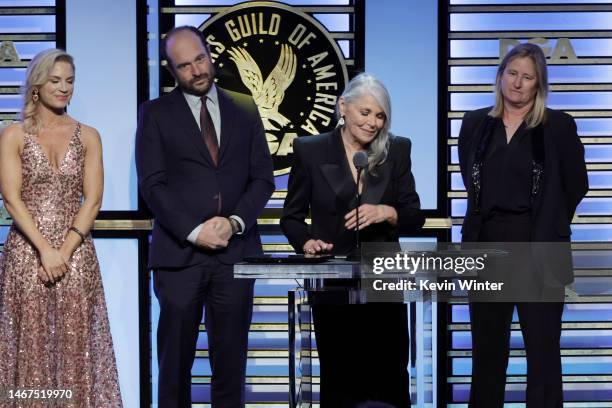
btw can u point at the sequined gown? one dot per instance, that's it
(56, 337)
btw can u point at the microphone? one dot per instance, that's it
(360, 161)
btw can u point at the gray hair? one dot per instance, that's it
(366, 84)
(537, 113)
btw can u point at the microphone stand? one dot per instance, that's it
(360, 161)
(356, 255)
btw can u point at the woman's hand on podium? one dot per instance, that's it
(316, 246)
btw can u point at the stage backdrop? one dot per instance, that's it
(576, 39)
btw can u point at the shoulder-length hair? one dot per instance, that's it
(537, 113)
(366, 84)
(37, 74)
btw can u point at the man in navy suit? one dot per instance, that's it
(204, 170)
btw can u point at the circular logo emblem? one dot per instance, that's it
(287, 62)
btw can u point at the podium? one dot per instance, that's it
(338, 281)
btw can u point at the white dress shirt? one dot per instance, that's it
(212, 104)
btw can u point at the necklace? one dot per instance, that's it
(512, 121)
(512, 125)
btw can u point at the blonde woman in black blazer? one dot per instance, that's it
(523, 167)
(363, 349)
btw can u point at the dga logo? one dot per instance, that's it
(8, 53)
(562, 52)
(286, 60)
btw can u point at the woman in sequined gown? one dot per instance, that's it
(54, 330)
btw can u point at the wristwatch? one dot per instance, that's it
(235, 225)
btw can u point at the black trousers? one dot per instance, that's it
(363, 354)
(541, 328)
(182, 295)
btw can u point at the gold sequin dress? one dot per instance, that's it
(56, 337)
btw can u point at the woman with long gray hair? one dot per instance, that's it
(362, 356)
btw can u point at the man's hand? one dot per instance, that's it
(215, 233)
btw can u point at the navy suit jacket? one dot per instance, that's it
(180, 184)
(321, 183)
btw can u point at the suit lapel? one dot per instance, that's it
(472, 147)
(336, 171)
(469, 184)
(541, 149)
(374, 186)
(183, 117)
(227, 109)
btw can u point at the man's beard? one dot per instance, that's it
(190, 87)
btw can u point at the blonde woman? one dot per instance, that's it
(523, 167)
(54, 331)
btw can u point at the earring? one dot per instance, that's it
(341, 121)
(35, 95)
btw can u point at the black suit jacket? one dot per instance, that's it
(321, 183)
(180, 183)
(564, 180)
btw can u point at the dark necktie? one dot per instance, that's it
(210, 138)
(208, 132)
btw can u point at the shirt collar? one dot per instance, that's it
(194, 100)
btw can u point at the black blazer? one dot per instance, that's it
(180, 183)
(564, 179)
(321, 183)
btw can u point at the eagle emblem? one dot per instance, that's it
(268, 95)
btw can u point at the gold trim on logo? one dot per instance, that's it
(269, 92)
(285, 7)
